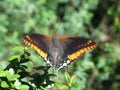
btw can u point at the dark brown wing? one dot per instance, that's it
(39, 42)
(74, 46)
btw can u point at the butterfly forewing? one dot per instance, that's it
(75, 46)
(39, 42)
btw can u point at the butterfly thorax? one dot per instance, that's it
(56, 52)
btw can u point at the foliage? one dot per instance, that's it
(70, 83)
(17, 76)
(95, 19)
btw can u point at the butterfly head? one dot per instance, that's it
(57, 65)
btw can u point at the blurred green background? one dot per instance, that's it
(98, 20)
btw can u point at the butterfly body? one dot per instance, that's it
(55, 52)
(58, 52)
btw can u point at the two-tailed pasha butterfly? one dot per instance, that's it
(58, 52)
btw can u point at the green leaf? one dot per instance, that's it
(3, 73)
(13, 77)
(11, 71)
(58, 85)
(4, 84)
(13, 57)
(17, 47)
(17, 84)
(64, 87)
(75, 85)
(24, 87)
(73, 79)
(67, 77)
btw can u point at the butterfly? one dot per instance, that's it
(58, 52)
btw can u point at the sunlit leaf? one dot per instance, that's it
(13, 77)
(14, 57)
(64, 87)
(3, 73)
(18, 47)
(4, 84)
(67, 77)
(73, 79)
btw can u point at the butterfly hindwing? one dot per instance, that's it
(75, 46)
(39, 42)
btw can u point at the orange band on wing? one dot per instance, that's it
(42, 54)
(73, 56)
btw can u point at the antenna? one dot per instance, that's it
(52, 25)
